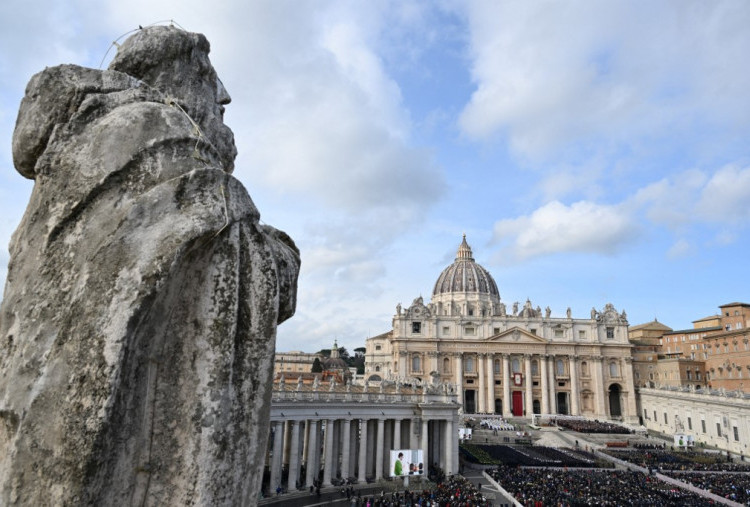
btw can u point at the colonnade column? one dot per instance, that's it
(574, 386)
(529, 384)
(506, 386)
(312, 452)
(459, 361)
(397, 434)
(425, 446)
(362, 465)
(379, 450)
(543, 370)
(345, 452)
(278, 440)
(490, 391)
(328, 466)
(450, 441)
(482, 394)
(293, 458)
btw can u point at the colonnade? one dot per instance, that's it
(359, 448)
(322, 438)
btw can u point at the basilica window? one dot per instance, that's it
(496, 366)
(558, 333)
(610, 333)
(585, 369)
(446, 365)
(469, 331)
(469, 365)
(516, 365)
(582, 334)
(416, 363)
(614, 371)
(560, 367)
(535, 367)
(416, 327)
(377, 368)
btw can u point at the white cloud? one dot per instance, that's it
(680, 248)
(553, 228)
(547, 74)
(726, 196)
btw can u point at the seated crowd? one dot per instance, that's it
(534, 456)
(586, 426)
(539, 487)
(735, 487)
(666, 459)
(453, 492)
(496, 425)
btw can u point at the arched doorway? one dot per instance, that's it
(498, 405)
(614, 400)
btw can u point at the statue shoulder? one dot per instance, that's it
(52, 97)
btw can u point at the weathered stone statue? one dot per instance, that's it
(139, 315)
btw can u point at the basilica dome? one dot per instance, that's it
(465, 276)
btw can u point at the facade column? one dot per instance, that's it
(402, 360)
(379, 450)
(293, 458)
(631, 413)
(543, 371)
(599, 386)
(345, 451)
(528, 384)
(425, 446)
(397, 434)
(328, 465)
(490, 391)
(336, 449)
(506, 387)
(552, 380)
(433, 355)
(459, 362)
(278, 441)
(312, 451)
(482, 391)
(451, 440)
(573, 361)
(362, 465)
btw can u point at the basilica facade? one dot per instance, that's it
(515, 361)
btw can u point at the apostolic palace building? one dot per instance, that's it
(514, 361)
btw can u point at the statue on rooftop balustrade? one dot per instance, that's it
(138, 323)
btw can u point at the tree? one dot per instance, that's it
(317, 367)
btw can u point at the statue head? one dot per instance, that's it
(176, 63)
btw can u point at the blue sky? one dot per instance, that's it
(592, 152)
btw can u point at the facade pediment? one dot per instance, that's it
(517, 335)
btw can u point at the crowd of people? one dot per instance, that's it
(595, 426)
(667, 459)
(552, 487)
(455, 491)
(733, 486)
(496, 425)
